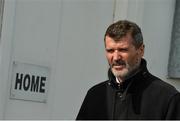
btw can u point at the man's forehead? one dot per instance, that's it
(124, 39)
(123, 43)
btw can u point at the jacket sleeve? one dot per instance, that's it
(173, 112)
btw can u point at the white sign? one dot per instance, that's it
(29, 82)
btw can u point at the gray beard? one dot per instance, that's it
(133, 70)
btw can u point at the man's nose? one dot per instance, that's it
(116, 55)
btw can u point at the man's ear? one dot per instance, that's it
(141, 50)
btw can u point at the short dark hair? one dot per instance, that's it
(120, 29)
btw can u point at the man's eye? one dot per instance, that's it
(123, 50)
(110, 50)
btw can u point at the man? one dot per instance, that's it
(131, 92)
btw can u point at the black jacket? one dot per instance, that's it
(143, 96)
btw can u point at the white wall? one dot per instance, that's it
(66, 36)
(34, 38)
(5, 50)
(81, 58)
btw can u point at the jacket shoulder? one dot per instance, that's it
(163, 86)
(98, 87)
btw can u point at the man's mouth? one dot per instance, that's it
(118, 67)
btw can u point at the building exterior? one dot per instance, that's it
(52, 51)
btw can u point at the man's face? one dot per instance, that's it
(122, 55)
